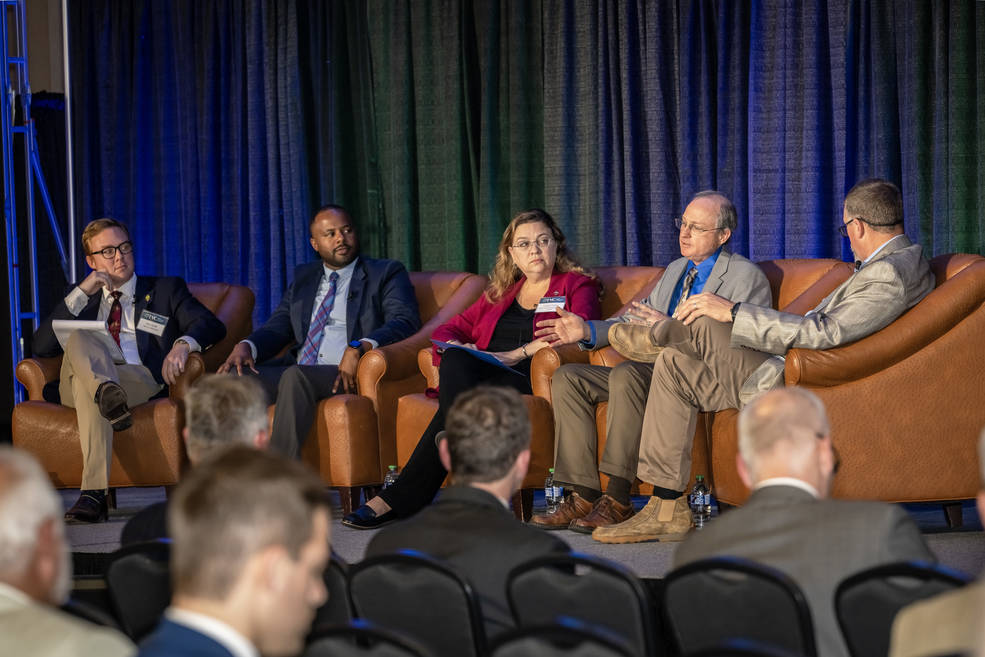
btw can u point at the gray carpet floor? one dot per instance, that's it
(962, 549)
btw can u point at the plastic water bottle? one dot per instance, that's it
(700, 502)
(552, 494)
(390, 477)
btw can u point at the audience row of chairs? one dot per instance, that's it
(564, 604)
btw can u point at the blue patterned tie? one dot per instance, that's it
(312, 343)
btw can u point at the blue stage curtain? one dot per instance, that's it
(216, 127)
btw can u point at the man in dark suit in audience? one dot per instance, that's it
(787, 459)
(250, 541)
(155, 321)
(486, 448)
(220, 410)
(376, 306)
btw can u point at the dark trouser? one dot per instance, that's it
(421, 478)
(297, 389)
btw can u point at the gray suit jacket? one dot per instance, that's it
(733, 277)
(29, 628)
(817, 542)
(882, 290)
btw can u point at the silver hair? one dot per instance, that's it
(221, 410)
(792, 415)
(728, 216)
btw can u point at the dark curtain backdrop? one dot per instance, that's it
(215, 128)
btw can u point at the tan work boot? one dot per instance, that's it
(607, 511)
(633, 341)
(573, 507)
(659, 520)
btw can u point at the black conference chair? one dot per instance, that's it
(418, 596)
(360, 638)
(867, 602)
(89, 613)
(336, 611)
(587, 588)
(712, 601)
(568, 637)
(139, 585)
(742, 648)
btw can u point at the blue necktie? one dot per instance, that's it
(312, 343)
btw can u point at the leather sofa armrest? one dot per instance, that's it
(425, 364)
(34, 373)
(194, 368)
(546, 361)
(387, 363)
(607, 357)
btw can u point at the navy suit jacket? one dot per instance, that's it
(172, 639)
(164, 295)
(381, 306)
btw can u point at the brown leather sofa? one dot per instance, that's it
(906, 403)
(620, 285)
(150, 453)
(353, 439)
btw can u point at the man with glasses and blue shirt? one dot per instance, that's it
(706, 266)
(718, 353)
(155, 321)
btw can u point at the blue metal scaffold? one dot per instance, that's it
(16, 88)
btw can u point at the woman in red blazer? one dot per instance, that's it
(534, 274)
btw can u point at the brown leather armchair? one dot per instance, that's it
(620, 286)
(353, 439)
(905, 403)
(150, 453)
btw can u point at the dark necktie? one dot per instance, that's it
(686, 290)
(115, 319)
(312, 343)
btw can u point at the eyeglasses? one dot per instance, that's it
(834, 450)
(541, 242)
(843, 228)
(691, 228)
(126, 248)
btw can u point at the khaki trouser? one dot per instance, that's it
(86, 365)
(575, 391)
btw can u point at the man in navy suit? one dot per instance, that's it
(155, 321)
(250, 541)
(336, 310)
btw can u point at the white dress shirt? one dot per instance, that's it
(215, 629)
(788, 481)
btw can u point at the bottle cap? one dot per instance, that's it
(551, 470)
(699, 478)
(392, 468)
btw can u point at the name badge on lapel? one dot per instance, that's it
(152, 323)
(549, 304)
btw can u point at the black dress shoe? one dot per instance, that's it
(90, 507)
(365, 518)
(111, 400)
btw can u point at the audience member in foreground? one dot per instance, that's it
(787, 459)
(706, 266)
(36, 571)
(154, 320)
(250, 541)
(947, 624)
(220, 410)
(720, 353)
(486, 446)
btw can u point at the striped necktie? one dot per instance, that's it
(312, 343)
(686, 290)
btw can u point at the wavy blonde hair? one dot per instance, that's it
(505, 272)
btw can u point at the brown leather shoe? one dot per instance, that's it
(607, 511)
(633, 341)
(573, 507)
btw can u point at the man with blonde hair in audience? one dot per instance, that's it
(250, 541)
(36, 570)
(950, 623)
(220, 410)
(787, 459)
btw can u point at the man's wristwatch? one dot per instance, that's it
(735, 309)
(184, 342)
(359, 346)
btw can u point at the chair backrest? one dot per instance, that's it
(139, 586)
(623, 285)
(360, 638)
(434, 289)
(566, 638)
(336, 611)
(420, 597)
(742, 648)
(867, 602)
(800, 284)
(710, 601)
(586, 588)
(89, 613)
(233, 306)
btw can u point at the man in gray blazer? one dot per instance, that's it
(786, 457)
(718, 353)
(706, 266)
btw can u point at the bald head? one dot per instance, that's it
(785, 433)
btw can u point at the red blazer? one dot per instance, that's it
(477, 323)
